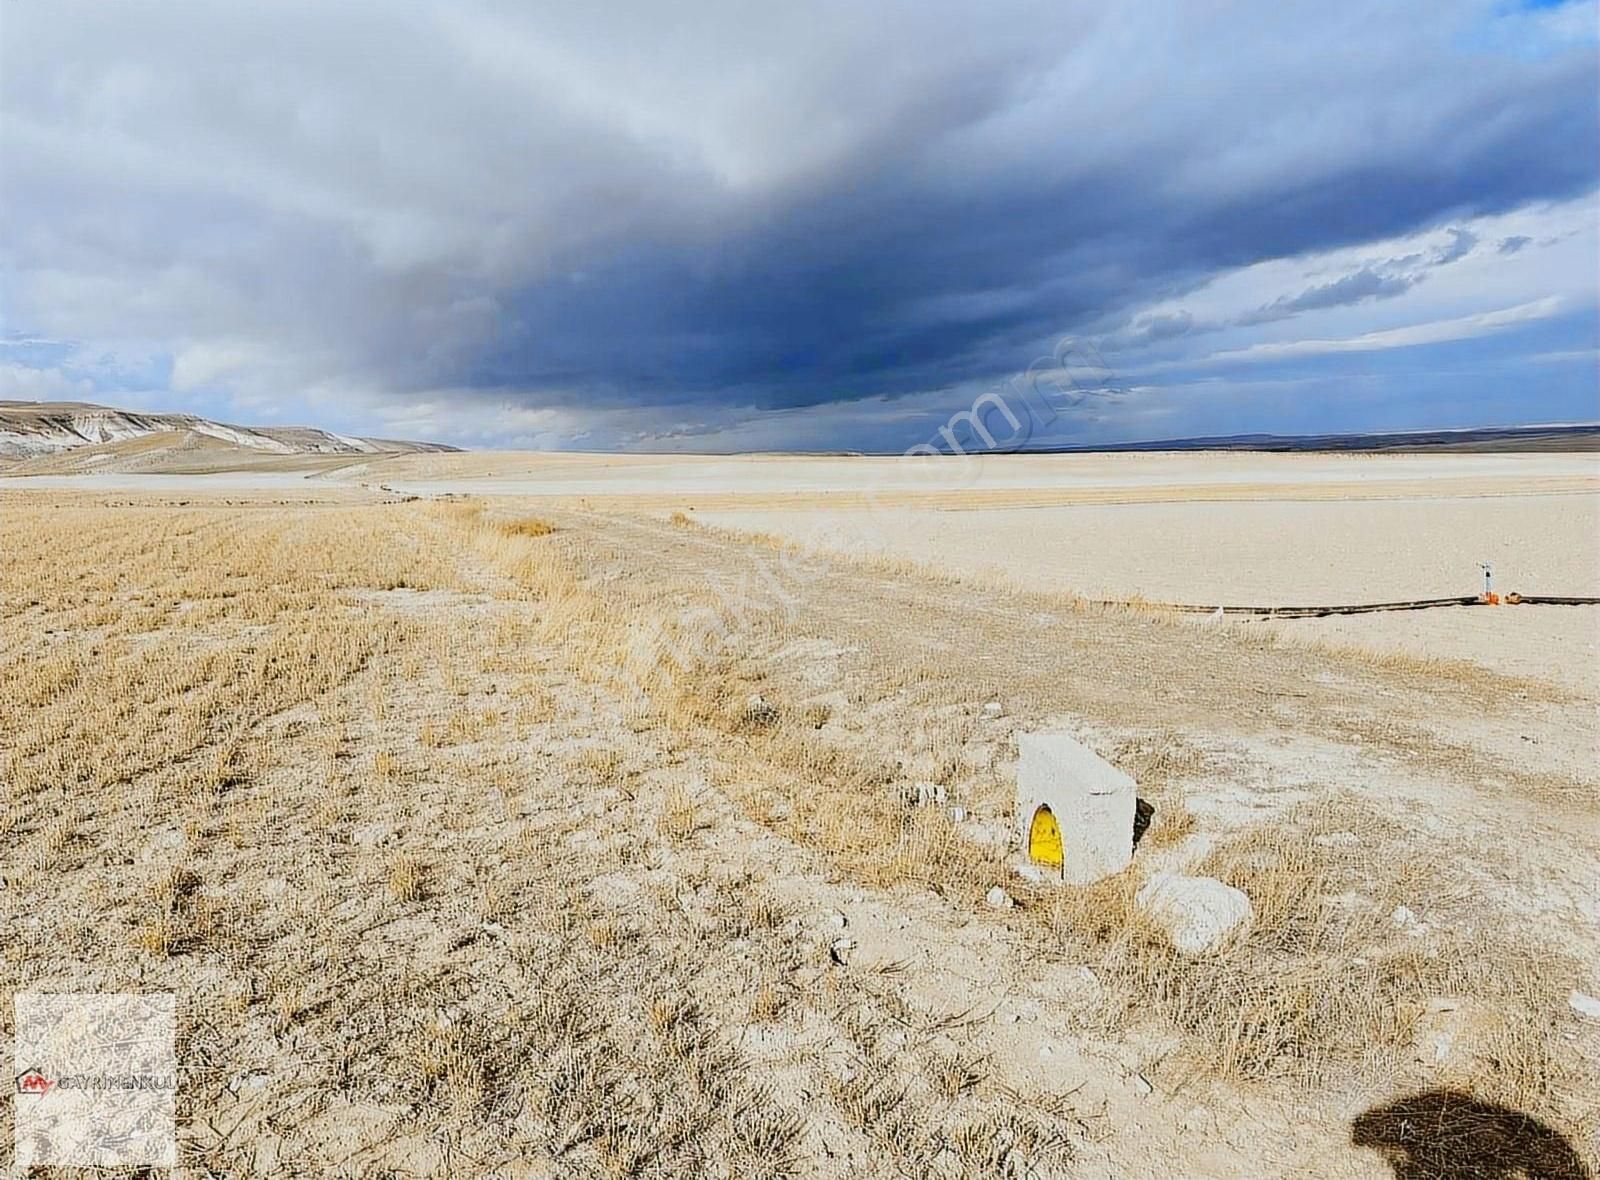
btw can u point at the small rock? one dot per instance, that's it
(993, 709)
(1198, 914)
(997, 898)
(1443, 1043)
(253, 1079)
(837, 920)
(1142, 1086)
(1455, 1035)
(1584, 1005)
(371, 835)
(1046, 1051)
(1029, 871)
(160, 846)
(1405, 919)
(839, 950)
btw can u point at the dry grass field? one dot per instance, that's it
(477, 840)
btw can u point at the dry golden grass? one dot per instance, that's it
(419, 800)
(406, 878)
(531, 526)
(251, 694)
(1312, 994)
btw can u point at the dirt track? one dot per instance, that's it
(1495, 776)
(581, 850)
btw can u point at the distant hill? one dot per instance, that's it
(39, 430)
(1486, 438)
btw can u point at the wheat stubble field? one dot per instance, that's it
(468, 849)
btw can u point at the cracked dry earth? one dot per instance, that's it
(472, 849)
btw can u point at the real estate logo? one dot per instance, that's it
(96, 1080)
(32, 1081)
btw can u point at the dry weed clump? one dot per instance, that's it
(531, 526)
(406, 879)
(679, 817)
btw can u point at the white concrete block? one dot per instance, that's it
(1091, 802)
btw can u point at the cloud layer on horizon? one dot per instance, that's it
(818, 226)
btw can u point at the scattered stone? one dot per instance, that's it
(1405, 919)
(1029, 871)
(492, 929)
(1455, 1036)
(371, 835)
(1584, 1005)
(161, 846)
(254, 1079)
(1197, 914)
(839, 950)
(997, 898)
(993, 709)
(1089, 981)
(1142, 1085)
(838, 920)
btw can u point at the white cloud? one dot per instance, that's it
(24, 384)
(1436, 332)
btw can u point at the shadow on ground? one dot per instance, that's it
(1447, 1135)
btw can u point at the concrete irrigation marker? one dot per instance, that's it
(1074, 809)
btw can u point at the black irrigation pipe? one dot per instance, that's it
(1360, 608)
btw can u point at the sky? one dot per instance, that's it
(718, 226)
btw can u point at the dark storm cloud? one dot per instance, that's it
(719, 204)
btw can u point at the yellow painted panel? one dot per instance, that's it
(1044, 839)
